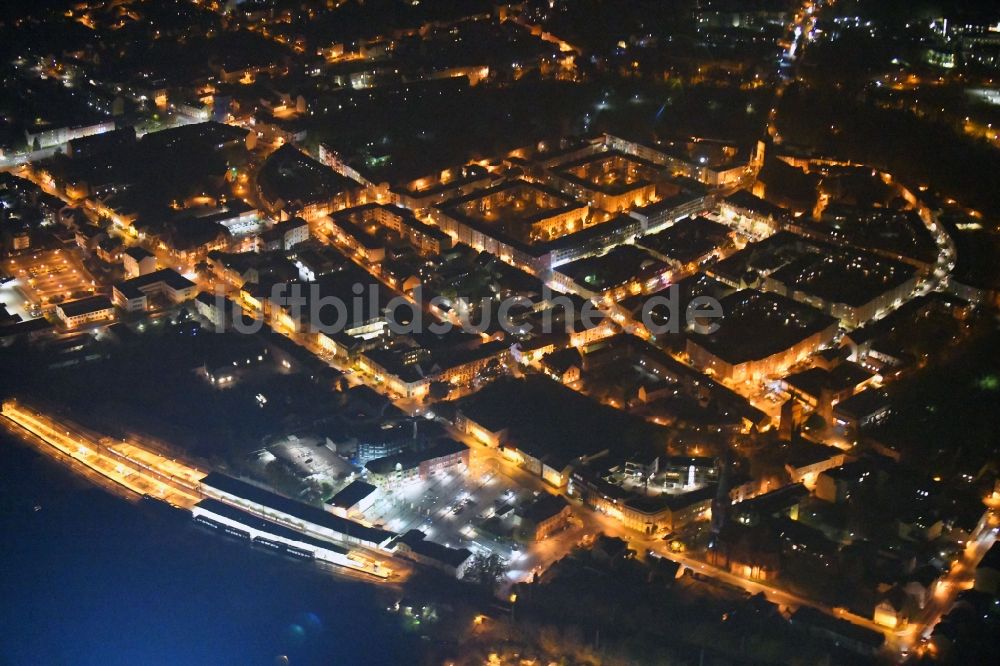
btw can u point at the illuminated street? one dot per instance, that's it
(142, 477)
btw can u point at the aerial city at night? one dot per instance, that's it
(473, 332)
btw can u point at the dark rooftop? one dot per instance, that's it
(803, 452)
(291, 176)
(844, 276)
(654, 503)
(774, 501)
(748, 201)
(350, 495)
(619, 266)
(556, 424)
(133, 288)
(688, 240)
(844, 377)
(544, 508)
(411, 459)
(757, 324)
(85, 306)
(864, 403)
(563, 359)
(418, 543)
(138, 253)
(304, 512)
(991, 560)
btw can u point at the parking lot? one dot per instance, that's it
(50, 277)
(308, 458)
(449, 506)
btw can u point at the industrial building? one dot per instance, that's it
(310, 520)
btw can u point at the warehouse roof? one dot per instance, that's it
(300, 510)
